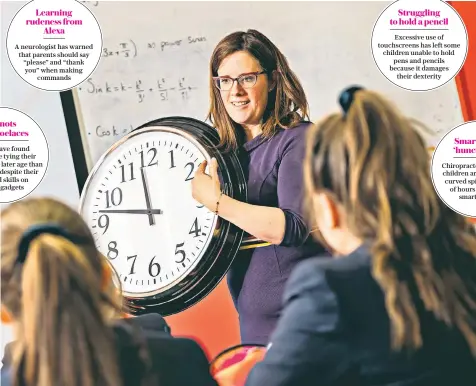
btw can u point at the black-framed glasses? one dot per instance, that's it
(248, 80)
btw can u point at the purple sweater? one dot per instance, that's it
(257, 277)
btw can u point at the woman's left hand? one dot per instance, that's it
(206, 188)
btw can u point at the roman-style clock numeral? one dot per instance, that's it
(131, 172)
(195, 229)
(154, 268)
(112, 252)
(190, 177)
(181, 252)
(152, 150)
(115, 197)
(133, 263)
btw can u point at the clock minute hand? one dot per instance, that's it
(132, 211)
(147, 196)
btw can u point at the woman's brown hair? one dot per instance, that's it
(287, 103)
(58, 299)
(373, 161)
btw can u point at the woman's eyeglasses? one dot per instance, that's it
(248, 80)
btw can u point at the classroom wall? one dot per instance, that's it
(214, 319)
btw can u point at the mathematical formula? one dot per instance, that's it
(113, 131)
(165, 88)
(129, 49)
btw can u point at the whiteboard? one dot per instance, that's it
(156, 55)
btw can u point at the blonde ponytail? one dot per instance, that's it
(52, 285)
(375, 164)
(67, 340)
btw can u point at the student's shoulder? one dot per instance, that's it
(151, 321)
(312, 275)
(178, 345)
(308, 276)
(181, 354)
(153, 329)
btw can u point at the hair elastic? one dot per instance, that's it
(35, 230)
(346, 97)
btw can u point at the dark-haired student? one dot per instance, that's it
(396, 306)
(57, 292)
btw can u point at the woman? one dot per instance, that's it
(258, 107)
(397, 304)
(57, 291)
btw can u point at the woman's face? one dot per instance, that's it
(245, 106)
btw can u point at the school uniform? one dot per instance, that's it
(173, 361)
(335, 331)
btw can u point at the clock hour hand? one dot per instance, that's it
(147, 196)
(132, 211)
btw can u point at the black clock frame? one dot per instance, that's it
(223, 246)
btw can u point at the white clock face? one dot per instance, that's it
(138, 204)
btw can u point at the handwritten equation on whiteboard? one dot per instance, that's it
(140, 79)
(164, 87)
(131, 49)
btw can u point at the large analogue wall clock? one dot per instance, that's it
(168, 250)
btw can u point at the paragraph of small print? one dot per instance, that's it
(54, 48)
(453, 169)
(23, 155)
(419, 48)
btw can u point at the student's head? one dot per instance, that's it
(57, 291)
(368, 181)
(251, 84)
